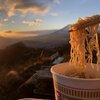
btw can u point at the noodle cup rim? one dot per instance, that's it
(72, 78)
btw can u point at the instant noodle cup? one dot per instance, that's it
(74, 88)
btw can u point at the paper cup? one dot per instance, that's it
(74, 88)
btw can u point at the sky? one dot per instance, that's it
(32, 15)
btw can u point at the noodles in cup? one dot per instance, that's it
(84, 42)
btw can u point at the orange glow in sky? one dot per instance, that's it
(16, 35)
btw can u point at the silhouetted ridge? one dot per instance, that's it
(15, 53)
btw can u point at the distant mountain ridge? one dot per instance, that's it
(52, 40)
(47, 38)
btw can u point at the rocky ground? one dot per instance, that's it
(25, 72)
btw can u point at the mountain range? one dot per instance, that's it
(43, 39)
(51, 40)
(47, 39)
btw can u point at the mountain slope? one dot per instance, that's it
(52, 40)
(15, 54)
(4, 42)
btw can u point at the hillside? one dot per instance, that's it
(18, 63)
(4, 42)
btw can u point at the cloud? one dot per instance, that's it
(33, 22)
(5, 20)
(18, 34)
(13, 21)
(54, 14)
(57, 1)
(0, 24)
(25, 6)
(8, 31)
